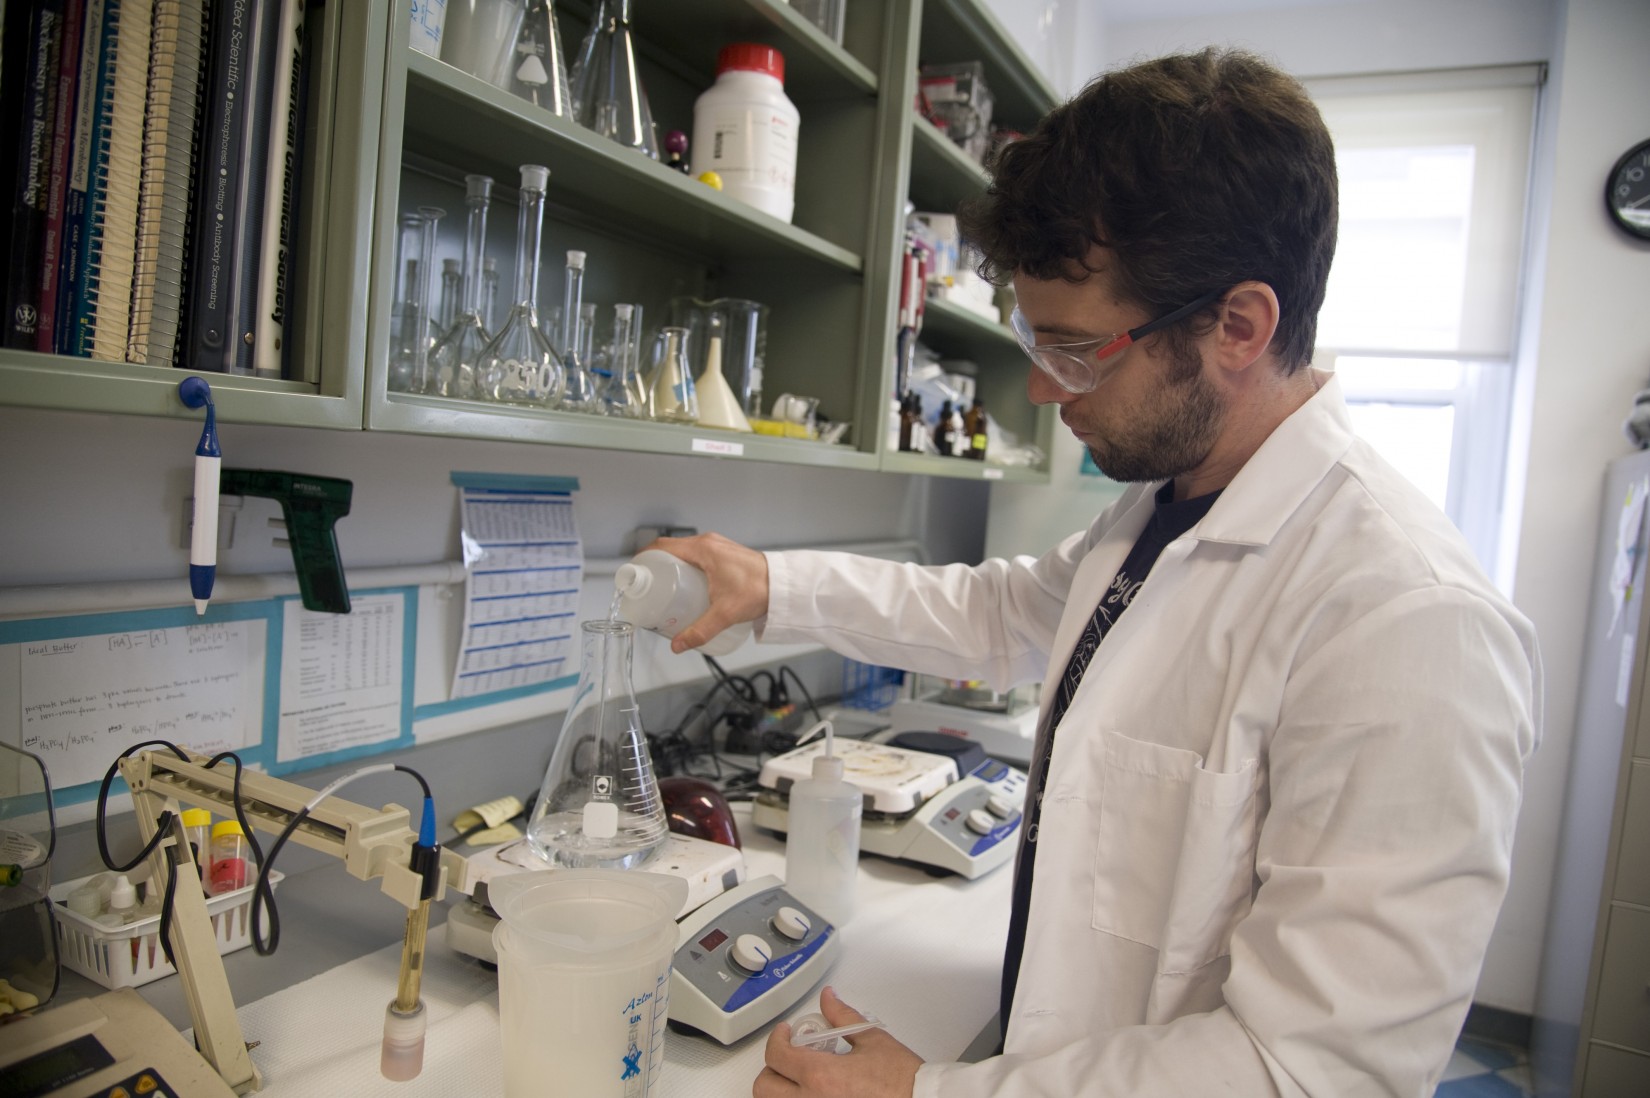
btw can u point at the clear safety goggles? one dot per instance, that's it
(1075, 366)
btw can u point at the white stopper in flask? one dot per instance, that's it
(534, 177)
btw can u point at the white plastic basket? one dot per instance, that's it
(131, 955)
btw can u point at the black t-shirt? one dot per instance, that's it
(1167, 523)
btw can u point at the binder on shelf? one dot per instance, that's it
(226, 218)
(32, 175)
(117, 176)
(281, 194)
(83, 211)
(176, 59)
(63, 119)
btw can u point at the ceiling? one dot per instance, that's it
(1139, 11)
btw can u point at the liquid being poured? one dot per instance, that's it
(613, 607)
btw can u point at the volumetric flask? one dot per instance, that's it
(599, 807)
(519, 366)
(455, 354)
(410, 312)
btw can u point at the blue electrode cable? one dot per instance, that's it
(203, 535)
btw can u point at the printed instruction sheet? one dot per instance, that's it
(525, 568)
(341, 676)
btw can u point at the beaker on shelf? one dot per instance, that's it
(608, 96)
(744, 341)
(539, 72)
(410, 320)
(454, 357)
(480, 38)
(599, 806)
(718, 405)
(671, 396)
(519, 366)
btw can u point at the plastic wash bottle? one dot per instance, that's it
(822, 836)
(662, 593)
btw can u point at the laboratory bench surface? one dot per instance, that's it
(923, 953)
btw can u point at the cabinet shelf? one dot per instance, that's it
(942, 175)
(965, 30)
(466, 419)
(935, 466)
(952, 324)
(90, 385)
(457, 119)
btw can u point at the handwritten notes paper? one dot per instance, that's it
(87, 699)
(526, 566)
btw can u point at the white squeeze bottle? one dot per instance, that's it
(822, 836)
(664, 594)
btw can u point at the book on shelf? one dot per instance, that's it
(83, 206)
(175, 66)
(116, 177)
(63, 119)
(230, 181)
(280, 195)
(31, 178)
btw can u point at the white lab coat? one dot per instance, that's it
(1280, 810)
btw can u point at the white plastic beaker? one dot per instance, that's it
(584, 979)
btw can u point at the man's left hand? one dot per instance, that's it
(878, 1066)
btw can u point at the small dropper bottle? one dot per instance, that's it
(822, 835)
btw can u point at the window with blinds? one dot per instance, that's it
(1421, 312)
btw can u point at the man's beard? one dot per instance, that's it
(1175, 432)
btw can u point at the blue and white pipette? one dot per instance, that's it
(203, 534)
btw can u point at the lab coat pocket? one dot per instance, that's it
(1175, 861)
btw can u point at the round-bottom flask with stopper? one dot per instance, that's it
(599, 806)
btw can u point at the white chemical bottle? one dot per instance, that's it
(664, 594)
(744, 129)
(822, 836)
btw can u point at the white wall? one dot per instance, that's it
(1584, 347)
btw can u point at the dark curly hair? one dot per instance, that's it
(1197, 171)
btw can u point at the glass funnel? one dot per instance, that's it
(455, 355)
(671, 397)
(519, 366)
(540, 73)
(608, 96)
(410, 317)
(599, 807)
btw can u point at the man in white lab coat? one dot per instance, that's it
(1285, 715)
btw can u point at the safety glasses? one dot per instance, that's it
(1075, 366)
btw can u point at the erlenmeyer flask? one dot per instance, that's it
(410, 320)
(608, 96)
(599, 807)
(455, 355)
(672, 398)
(519, 366)
(580, 394)
(540, 73)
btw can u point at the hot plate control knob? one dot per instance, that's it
(751, 953)
(792, 923)
(1000, 806)
(981, 821)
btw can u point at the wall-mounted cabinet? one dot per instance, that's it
(390, 128)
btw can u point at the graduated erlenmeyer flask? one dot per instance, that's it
(539, 73)
(519, 366)
(455, 354)
(410, 315)
(599, 807)
(580, 394)
(608, 96)
(671, 396)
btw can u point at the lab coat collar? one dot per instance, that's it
(1276, 480)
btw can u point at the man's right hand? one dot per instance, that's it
(737, 580)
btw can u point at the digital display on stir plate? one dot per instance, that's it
(712, 940)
